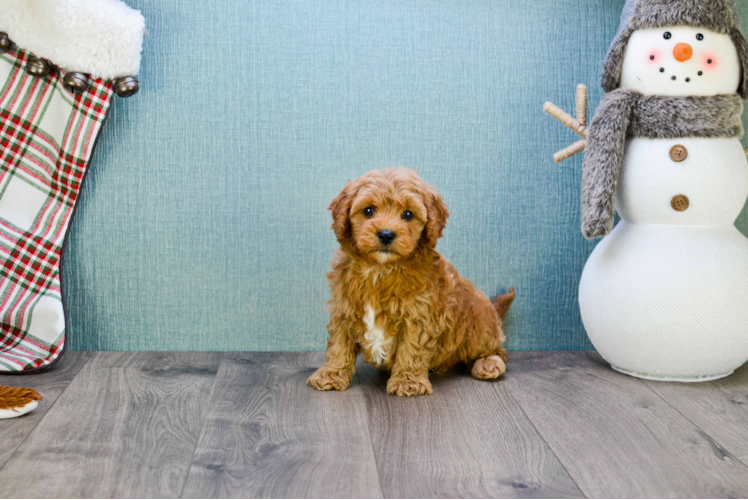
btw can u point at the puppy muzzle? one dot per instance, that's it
(386, 237)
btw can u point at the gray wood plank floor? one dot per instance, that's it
(126, 426)
(269, 435)
(216, 425)
(469, 439)
(615, 436)
(50, 384)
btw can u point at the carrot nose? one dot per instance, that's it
(683, 52)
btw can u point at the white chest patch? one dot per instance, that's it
(377, 344)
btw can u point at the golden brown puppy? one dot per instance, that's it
(395, 299)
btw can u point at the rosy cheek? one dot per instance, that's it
(654, 56)
(708, 62)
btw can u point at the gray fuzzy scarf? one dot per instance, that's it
(625, 113)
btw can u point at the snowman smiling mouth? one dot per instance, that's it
(682, 52)
(675, 78)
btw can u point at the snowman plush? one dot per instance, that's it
(664, 295)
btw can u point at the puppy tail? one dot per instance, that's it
(502, 303)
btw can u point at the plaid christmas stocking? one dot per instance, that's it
(50, 119)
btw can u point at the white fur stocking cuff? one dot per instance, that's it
(102, 38)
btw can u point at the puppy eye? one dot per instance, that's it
(699, 37)
(668, 35)
(407, 215)
(369, 211)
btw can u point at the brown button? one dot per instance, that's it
(678, 153)
(680, 203)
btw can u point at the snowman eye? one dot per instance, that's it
(668, 35)
(652, 57)
(699, 37)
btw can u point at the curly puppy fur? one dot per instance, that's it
(399, 303)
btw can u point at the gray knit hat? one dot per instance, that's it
(716, 15)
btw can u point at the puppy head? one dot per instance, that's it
(386, 215)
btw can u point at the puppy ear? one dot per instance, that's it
(438, 213)
(340, 208)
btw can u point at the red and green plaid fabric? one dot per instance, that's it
(47, 136)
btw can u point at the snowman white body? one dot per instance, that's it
(665, 295)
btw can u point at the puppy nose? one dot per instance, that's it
(386, 236)
(682, 52)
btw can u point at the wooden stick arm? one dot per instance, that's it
(565, 118)
(578, 124)
(570, 151)
(582, 104)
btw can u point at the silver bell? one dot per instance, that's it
(5, 43)
(126, 86)
(38, 67)
(75, 82)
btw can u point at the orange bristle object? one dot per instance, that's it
(17, 397)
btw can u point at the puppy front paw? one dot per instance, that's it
(488, 368)
(408, 386)
(330, 379)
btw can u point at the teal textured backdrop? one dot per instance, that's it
(203, 223)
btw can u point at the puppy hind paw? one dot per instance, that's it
(488, 368)
(409, 387)
(330, 379)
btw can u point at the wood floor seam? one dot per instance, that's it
(36, 425)
(246, 425)
(467, 439)
(46, 411)
(696, 426)
(371, 439)
(202, 426)
(129, 420)
(616, 438)
(270, 435)
(522, 409)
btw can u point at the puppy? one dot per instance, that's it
(395, 299)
